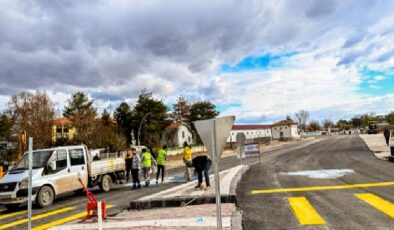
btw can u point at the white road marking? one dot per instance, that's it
(321, 174)
(186, 222)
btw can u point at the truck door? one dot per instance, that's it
(60, 178)
(78, 167)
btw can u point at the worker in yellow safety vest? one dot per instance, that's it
(146, 160)
(161, 163)
(187, 160)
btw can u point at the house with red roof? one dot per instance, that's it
(63, 129)
(177, 133)
(285, 130)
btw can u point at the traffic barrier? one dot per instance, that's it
(92, 205)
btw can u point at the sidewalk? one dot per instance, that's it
(175, 208)
(377, 144)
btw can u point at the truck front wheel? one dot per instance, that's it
(105, 183)
(45, 197)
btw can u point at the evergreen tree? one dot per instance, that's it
(151, 115)
(201, 110)
(81, 112)
(123, 117)
(5, 128)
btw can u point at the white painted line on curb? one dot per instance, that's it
(225, 183)
(187, 222)
(174, 191)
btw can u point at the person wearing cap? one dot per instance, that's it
(161, 162)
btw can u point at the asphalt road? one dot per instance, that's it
(283, 192)
(72, 207)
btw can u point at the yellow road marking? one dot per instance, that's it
(319, 188)
(64, 220)
(380, 204)
(12, 214)
(51, 213)
(304, 211)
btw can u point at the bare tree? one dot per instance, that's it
(181, 110)
(302, 118)
(327, 123)
(33, 113)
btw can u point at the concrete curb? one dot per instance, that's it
(236, 220)
(228, 188)
(237, 178)
(179, 201)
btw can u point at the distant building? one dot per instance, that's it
(251, 132)
(62, 130)
(284, 130)
(177, 133)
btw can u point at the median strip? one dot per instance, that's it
(322, 188)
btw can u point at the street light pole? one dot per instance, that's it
(139, 129)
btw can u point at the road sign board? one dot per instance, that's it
(214, 133)
(219, 128)
(252, 150)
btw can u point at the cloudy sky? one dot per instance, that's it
(258, 60)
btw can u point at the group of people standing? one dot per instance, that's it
(145, 161)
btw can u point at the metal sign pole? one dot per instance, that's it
(214, 133)
(217, 179)
(99, 216)
(30, 181)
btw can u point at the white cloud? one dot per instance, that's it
(113, 49)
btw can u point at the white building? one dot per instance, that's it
(176, 134)
(285, 130)
(250, 131)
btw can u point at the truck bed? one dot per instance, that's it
(106, 166)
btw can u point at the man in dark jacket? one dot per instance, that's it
(386, 134)
(129, 163)
(202, 163)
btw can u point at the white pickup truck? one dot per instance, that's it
(56, 171)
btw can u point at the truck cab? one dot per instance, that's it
(55, 171)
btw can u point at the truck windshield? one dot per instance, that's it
(40, 158)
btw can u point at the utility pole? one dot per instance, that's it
(139, 129)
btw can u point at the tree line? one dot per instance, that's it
(34, 113)
(359, 122)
